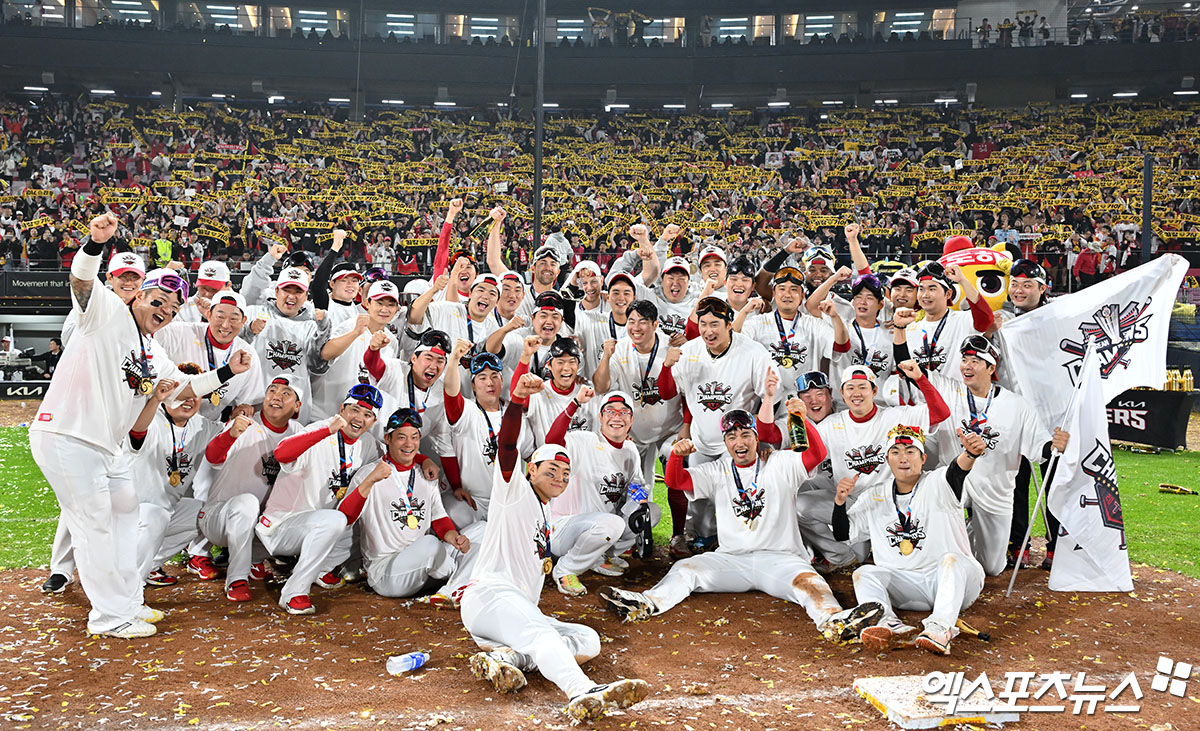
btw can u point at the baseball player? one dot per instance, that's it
(632, 365)
(125, 275)
(212, 277)
(473, 430)
(902, 289)
(286, 343)
(562, 368)
(210, 345)
(397, 505)
(256, 286)
(594, 329)
(115, 362)
(300, 516)
(1011, 430)
(348, 343)
(167, 442)
(676, 297)
(585, 283)
(934, 340)
(499, 604)
(868, 342)
(474, 321)
(239, 470)
(508, 342)
(720, 371)
(855, 439)
(591, 517)
(336, 284)
(918, 539)
(760, 547)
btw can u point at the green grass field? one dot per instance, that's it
(1162, 530)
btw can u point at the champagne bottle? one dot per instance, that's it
(797, 432)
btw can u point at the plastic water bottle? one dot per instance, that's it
(401, 664)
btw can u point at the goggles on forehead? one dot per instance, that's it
(169, 283)
(434, 339)
(1029, 269)
(645, 308)
(736, 419)
(404, 416)
(375, 274)
(366, 395)
(809, 381)
(715, 306)
(789, 274)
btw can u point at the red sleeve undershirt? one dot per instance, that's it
(441, 261)
(864, 271)
(290, 449)
(442, 526)
(691, 331)
(938, 410)
(981, 314)
(667, 389)
(351, 506)
(841, 347)
(454, 406)
(218, 449)
(768, 431)
(679, 484)
(450, 469)
(506, 440)
(676, 476)
(520, 370)
(562, 422)
(817, 451)
(374, 363)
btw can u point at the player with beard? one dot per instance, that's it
(855, 440)
(76, 441)
(760, 547)
(562, 377)
(1012, 432)
(509, 341)
(499, 605)
(167, 442)
(934, 340)
(286, 342)
(397, 505)
(586, 284)
(595, 508)
(348, 343)
(720, 371)
(125, 275)
(914, 523)
(473, 429)
(211, 344)
(633, 364)
(212, 277)
(300, 517)
(238, 472)
(796, 343)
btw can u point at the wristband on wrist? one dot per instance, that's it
(225, 373)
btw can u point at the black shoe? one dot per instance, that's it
(56, 584)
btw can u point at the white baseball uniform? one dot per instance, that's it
(288, 345)
(796, 346)
(473, 437)
(187, 342)
(329, 389)
(935, 344)
(655, 421)
(593, 329)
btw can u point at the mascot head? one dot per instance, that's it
(986, 268)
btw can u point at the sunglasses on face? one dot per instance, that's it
(716, 307)
(404, 417)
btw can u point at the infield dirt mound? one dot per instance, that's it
(716, 661)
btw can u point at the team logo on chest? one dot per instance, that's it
(364, 376)
(579, 422)
(285, 354)
(991, 437)
(646, 393)
(749, 507)
(612, 487)
(489, 449)
(671, 324)
(787, 355)
(181, 463)
(410, 514)
(131, 372)
(930, 355)
(876, 360)
(865, 459)
(270, 468)
(541, 540)
(714, 395)
(906, 538)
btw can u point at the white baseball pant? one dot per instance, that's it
(814, 510)
(579, 542)
(461, 512)
(318, 538)
(783, 575)
(163, 533)
(62, 555)
(497, 615)
(404, 573)
(102, 518)
(947, 588)
(230, 523)
(650, 453)
(989, 539)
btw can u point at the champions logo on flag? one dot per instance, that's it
(1098, 465)
(1116, 330)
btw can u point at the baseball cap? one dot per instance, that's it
(403, 416)
(291, 381)
(548, 452)
(677, 262)
(548, 301)
(712, 251)
(212, 274)
(564, 347)
(857, 373)
(614, 276)
(416, 287)
(365, 395)
(435, 341)
(229, 297)
(907, 275)
(383, 288)
(909, 436)
(736, 419)
(591, 266)
(126, 261)
(300, 258)
(617, 397)
(814, 254)
(488, 279)
(292, 275)
(982, 348)
(344, 269)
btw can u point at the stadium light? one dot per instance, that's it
(674, 106)
(906, 22)
(103, 91)
(779, 104)
(945, 100)
(833, 102)
(502, 104)
(1080, 95)
(391, 101)
(56, 16)
(891, 101)
(313, 12)
(734, 20)
(134, 12)
(1182, 92)
(231, 8)
(722, 106)
(443, 104)
(128, 3)
(910, 15)
(484, 20)
(225, 17)
(156, 93)
(218, 96)
(610, 107)
(824, 116)
(401, 16)
(338, 100)
(36, 88)
(1125, 94)
(274, 98)
(814, 27)
(817, 17)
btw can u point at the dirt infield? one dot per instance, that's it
(716, 661)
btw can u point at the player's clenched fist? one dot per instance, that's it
(672, 357)
(379, 340)
(586, 393)
(528, 385)
(337, 424)
(240, 362)
(102, 227)
(241, 423)
(972, 442)
(683, 447)
(844, 488)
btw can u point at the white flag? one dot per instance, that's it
(1127, 317)
(1091, 556)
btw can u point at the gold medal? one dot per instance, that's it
(214, 398)
(176, 478)
(786, 362)
(145, 386)
(341, 493)
(906, 547)
(413, 522)
(547, 565)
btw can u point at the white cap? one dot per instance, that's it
(591, 266)
(857, 373)
(712, 251)
(677, 262)
(489, 279)
(383, 288)
(212, 274)
(229, 297)
(614, 276)
(126, 261)
(550, 451)
(292, 275)
(617, 397)
(291, 381)
(909, 436)
(417, 287)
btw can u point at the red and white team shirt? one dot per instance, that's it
(399, 510)
(761, 515)
(796, 345)
(593, 329)
(311, 481)
(545, 406)
(401, 391)
(346, 370)
(474, 440)
(189, 342)
(935, 345)
(601, 473)
(857, 447)
(169, 449)
(518, 537)
(634, 373)
(287, 345)
(452, 319)
(713, 386)
(94, 395)
(869, 346)
(249, 463)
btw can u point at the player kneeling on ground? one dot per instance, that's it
(397, 505)
(919, 539)
(499, 605)
(759, 544)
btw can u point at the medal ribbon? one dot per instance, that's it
(412, 395)
(491, 432)
(212, 359)
(145, 361)
(905, 518)
(929, 347)
(978, 418)
(176, 444)
(344, 465)
(785, 338)
(649, 365)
